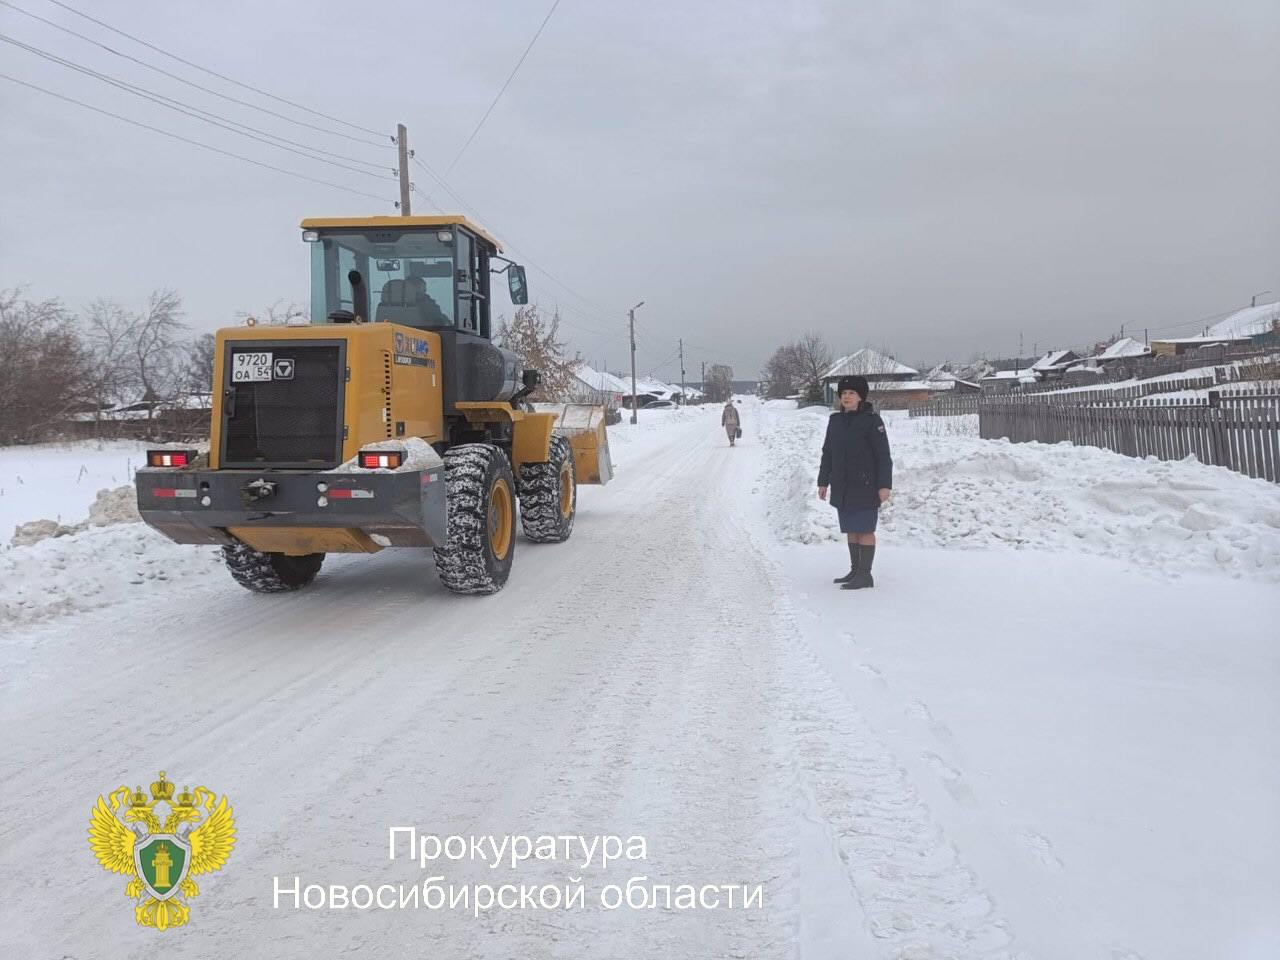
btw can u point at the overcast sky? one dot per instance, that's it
(930, 178)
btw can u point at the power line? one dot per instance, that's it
(507, 83)
(425, 196)
(195, 143)
(191, 83)
(214, 73)
(602, 311)
(195, 112)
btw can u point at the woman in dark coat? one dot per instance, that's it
(858, 471)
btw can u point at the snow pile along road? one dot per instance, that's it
(959, 491)
(51, 569)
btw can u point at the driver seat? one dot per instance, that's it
(407, 302)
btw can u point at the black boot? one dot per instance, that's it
(853, 565)
(862, 578)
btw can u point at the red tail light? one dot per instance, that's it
(170, 458)
(380, 459)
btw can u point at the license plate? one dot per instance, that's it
(250, 367)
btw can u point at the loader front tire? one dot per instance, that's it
(270, 572)
(549, 495)
(481, 505)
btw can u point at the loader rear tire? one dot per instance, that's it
(549, 495)
(270, 572)
(481, 504)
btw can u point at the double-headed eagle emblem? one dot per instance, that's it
(160, 858)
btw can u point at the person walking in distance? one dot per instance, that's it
(857, 471)
(731, 421)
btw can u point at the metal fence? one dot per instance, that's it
(1238, 429)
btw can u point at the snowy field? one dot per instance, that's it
(58, 481)
(1048, 732)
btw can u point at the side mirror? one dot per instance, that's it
(516, 284)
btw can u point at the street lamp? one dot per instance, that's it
(632, 314)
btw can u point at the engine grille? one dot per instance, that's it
(293, 422)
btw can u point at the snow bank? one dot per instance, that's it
(109, 507)
(953, 490)
(51, 568)
(96, 568)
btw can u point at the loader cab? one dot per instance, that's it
(432, 273)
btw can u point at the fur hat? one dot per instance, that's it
(857, 384)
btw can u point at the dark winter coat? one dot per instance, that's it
(855, 459)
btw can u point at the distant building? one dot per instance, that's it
(1126, 348)
(598, 387)
(1252, 325)
(875, 366)
(1006, 381)
(1055, 363)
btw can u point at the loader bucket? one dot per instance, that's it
(582, 424)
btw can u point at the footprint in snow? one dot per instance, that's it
(877, 678)
(951, 778)
(1042, 848)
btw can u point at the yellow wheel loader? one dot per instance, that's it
(390, 419)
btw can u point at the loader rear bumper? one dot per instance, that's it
(404, 509)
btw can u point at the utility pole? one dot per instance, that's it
(632, 314)
(704, 376)
(402, 146)
(683, 396)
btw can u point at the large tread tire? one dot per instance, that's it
(468, 562)
(270, 572)
(544, 497)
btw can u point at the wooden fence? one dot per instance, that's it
(1237, 429)
(957, 406)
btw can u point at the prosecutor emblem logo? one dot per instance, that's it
(160, 857)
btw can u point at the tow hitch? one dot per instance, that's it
(259, 489)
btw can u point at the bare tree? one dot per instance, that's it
(780, 373)
(719, 385)
(278, 314)
(156, 345)
(198, 368)
(812, 358)
(535, 340)
(798, 367)
(109, 332)
(42, 362)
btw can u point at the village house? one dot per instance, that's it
(1252, 325)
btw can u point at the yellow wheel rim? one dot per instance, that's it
(566, 489)
(500, 514)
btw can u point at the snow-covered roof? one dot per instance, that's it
(886, 386)
(1201, 341)
(868, 362)
(1026, 375)
(1248, 322)
(1051, 360)
(600, 380)
(655, 387)
(1124, 347)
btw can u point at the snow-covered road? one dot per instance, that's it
(673, 672)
